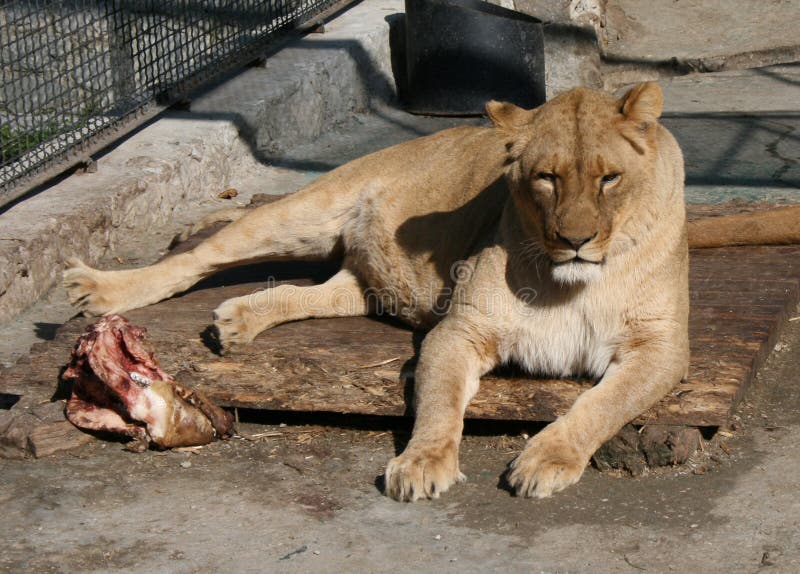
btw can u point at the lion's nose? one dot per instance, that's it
(576, 242)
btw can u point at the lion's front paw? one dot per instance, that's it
(423, 472)
(548, 465)
(87, 290)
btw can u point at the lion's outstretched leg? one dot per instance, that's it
(226, 215)
(240, 319)
(641, 375)
(452, 360)
(778, 226)
(305, 225)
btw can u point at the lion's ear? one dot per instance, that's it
(643, 104)
(507, 116)
(641, 107)
(509, 119)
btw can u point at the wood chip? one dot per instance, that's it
(304, 438)
(228, 194)
(375, 391)
(380, 364)
(631, 564)
(217, 367)
(189, 449)
(295, 467)
(256, 436)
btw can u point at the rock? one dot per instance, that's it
(621, 452)
(47, 439)
(14, 430)
(669, 445)
(35, 430)
(635, 450)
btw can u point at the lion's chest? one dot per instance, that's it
(563, 342)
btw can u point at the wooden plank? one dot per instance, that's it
(740, 297)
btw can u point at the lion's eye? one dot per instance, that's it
(546, 176)
(609, 180)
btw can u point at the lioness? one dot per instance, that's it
(556, 239)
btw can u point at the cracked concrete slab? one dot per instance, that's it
(312, 84)
(137, 188)
(707, 35)
(623, 41)
(739, 131)
(713, 35)
(765, 91)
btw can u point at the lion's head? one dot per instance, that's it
(578, 167)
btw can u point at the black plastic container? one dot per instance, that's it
(462, 53)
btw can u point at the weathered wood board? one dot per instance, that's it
(740, 297)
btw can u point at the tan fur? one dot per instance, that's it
(779, 226)
(476, 233)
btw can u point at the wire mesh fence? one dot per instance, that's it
(72, 71)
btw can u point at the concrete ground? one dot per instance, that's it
(301, 494)
(302, 498)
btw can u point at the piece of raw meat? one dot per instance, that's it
(117, 386)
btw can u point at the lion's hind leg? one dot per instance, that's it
(239, 320)
(96, 292)
(226, 215)
(306, 225)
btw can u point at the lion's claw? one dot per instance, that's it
(234, 322)
(548, 465)
(82, 285)
(424, 472)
